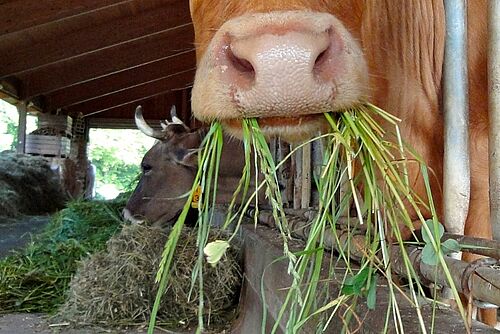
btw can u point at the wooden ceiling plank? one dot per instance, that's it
(119, 81)
(23, 14)
(132, 94)
(154, 108)
(97, 64)
(9, 89)
(35, 47)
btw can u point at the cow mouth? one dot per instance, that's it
(290, 129)
(276, 121)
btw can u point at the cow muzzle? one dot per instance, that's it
(279, 65)
(128, 216)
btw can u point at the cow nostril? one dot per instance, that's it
(320, 60)
(241, 65)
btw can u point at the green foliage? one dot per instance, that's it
(37, 278)
(431, 234)
(12, 130)
(362, 284)
(110, 169)
(358, 153)
(117, 155)
(8, 125)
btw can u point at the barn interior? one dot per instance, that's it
(88, 64)
(79, 65)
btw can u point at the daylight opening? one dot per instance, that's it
(116, 155)
(9, 119)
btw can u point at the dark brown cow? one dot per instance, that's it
(169, 168)
(287, 61)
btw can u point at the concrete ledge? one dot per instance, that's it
(262, 246)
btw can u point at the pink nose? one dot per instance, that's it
(282, 70)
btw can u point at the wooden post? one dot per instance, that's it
(297, 178)
(22, 108)
(305, 197)
(317, 165)
(285, 176)
(273, 147)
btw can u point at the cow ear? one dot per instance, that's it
(188, 158)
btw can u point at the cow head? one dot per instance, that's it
(285, 62)
(168, 172)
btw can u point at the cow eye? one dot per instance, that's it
(146, 168)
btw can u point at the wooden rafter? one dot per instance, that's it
(34, 47)
(121, 80)
(98, 58)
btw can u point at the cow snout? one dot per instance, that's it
(280, 64)
(128, 216)
(271, 73)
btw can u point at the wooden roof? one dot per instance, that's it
(100, 58)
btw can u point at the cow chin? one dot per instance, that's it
(289, 129)
(161, 221)
(285, 68)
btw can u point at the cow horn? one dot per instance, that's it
(173, 111)
(144, 127)
(175, 120)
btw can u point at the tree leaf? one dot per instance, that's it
(354, 285)
(348, 290)
(450, 246)
(430, 224)
(360, 279)
(429, 255)
(371, 298)
(215, 250)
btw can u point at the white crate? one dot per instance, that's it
(59, 122)
(50, 146)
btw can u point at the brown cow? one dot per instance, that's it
(169, 169)
(287, 61)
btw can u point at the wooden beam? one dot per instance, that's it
(22, 14)
(154, 108)
(104, 62)
(22, 109)
(134, 93)
(9, 89)
(306, 177)
(297, 182)
(120, 80)
(38, 46)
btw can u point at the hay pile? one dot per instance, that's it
(28, 186)
(36, 279)
(116, 286)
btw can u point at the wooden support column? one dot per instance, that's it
(22, 108)
(305, 197)
(297, 175)
(285, 173)
(317, 166)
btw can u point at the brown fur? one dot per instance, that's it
(404, 47)
(403, 43)
(168, 173)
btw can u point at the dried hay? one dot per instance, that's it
(37, 278)
(28, 185)
(117, 286)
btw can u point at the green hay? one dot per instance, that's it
(36, 279)
(28, 186)
(372, 160)
(117, 287)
